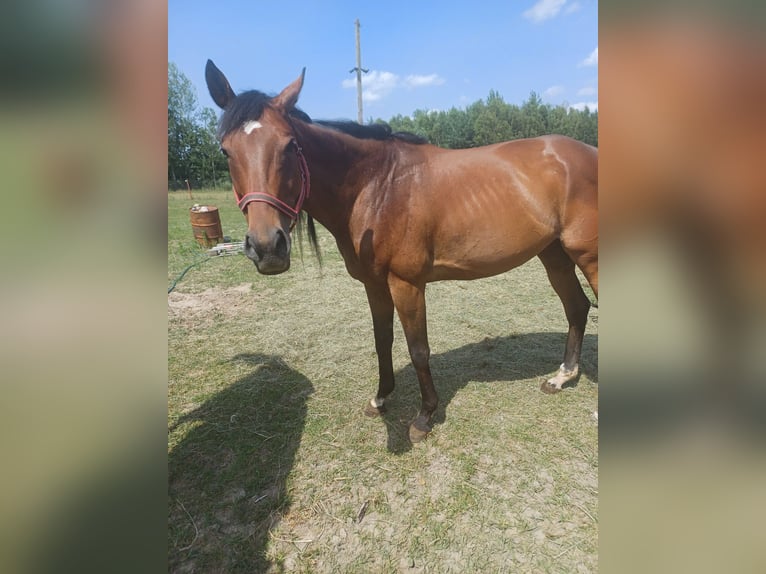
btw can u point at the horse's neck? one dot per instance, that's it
(334, 161)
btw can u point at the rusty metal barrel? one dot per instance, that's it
(206, 225)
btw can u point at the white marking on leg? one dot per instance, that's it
(376, 403)
(563, 376)
(250, 126)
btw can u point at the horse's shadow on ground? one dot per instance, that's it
(226, 477)
(485, 361)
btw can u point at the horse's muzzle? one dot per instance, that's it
(272, 255)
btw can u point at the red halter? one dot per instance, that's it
(275, 202)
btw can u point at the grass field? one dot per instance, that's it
(273, 467)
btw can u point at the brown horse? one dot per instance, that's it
(405, 213)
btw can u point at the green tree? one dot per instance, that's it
(182, 104)
(534, 116)
(494, 120)
(453, 129)
(193, 151)
(557, 120)
(400, 123)
(424, 121)
(213, 167)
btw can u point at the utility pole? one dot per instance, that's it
(358, 70)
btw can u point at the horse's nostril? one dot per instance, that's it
(251, 249)
(280, 245)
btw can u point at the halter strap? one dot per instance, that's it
(275, 202)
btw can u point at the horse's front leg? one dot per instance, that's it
(382, 308)
(410, 303)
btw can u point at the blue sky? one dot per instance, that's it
(421, 55)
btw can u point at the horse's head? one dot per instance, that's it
(267, 168)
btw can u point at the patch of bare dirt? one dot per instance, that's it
(213, 302)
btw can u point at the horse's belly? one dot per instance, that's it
(484, 259)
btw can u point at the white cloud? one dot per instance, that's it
(592, 106)
(573, 7)
(553, 91)
(378, 84)
(416, 81)
(591, 60)
(544, 10)
(375, 85)
(587, 91)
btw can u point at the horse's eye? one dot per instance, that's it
(223, 151)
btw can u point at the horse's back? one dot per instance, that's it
(547, 179)
(486, 210)
(551, 154)
(567, 171)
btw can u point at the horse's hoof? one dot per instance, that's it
(371, 411)
(549, 388)
(418, 432)
(417, 435)
(374, 411)
(563, 378)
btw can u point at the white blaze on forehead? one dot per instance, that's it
(250, 126)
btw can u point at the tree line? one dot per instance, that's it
(193, 151)
(194, 154)
(493, 120)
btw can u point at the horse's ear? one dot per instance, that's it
(218, 86)
(287, 99)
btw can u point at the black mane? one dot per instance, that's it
(381, 131)
(248, 106)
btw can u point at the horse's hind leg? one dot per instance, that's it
(561, 273)
(587, 261)
(584, 252)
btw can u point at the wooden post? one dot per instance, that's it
(359, 70)
(360, 117)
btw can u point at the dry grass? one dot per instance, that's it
(274, 468)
